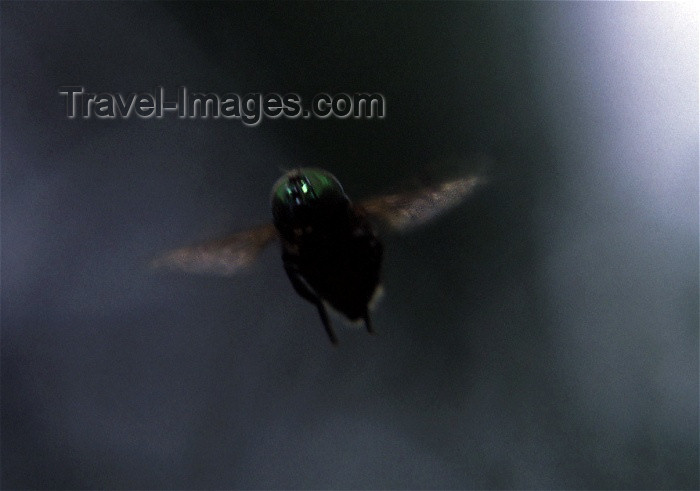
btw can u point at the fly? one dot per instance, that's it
(330, 250)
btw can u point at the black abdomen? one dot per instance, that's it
(340, 261)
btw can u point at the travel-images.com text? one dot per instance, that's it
(250, 108)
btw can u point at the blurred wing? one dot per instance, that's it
(224, 257)
(407, 210)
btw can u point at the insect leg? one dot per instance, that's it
(326, 322)
(304, 291)
(368, 323)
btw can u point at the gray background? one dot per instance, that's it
(544, 334)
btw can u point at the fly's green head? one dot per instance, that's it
(304, 196)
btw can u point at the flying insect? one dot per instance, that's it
(330, 250)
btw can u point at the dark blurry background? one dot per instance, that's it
(542, 335)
